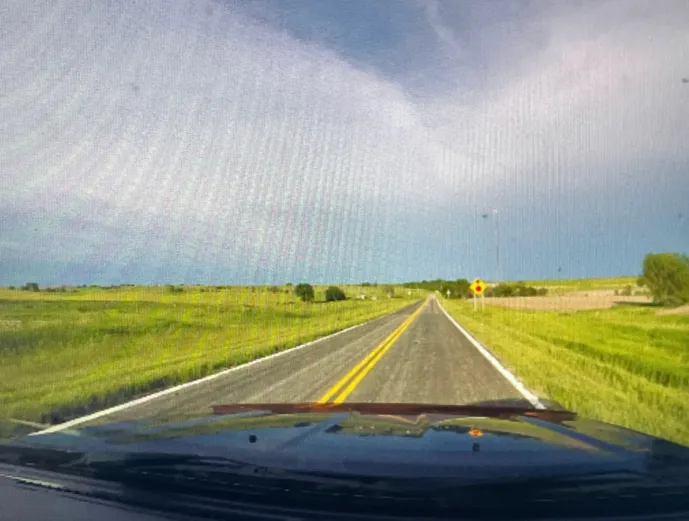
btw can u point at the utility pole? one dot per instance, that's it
(497, 243)
(496, 213)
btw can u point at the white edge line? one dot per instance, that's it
(532, 398)
(148, 398)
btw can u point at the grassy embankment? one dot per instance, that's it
(626, 365)
(76, 352)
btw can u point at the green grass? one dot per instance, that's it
(75, 352)
(625, 365)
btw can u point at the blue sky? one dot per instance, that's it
(266, 141)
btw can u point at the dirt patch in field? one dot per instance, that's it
(681, 310)
(569, 302)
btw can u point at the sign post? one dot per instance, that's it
(477, 288)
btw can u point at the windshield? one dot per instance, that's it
(208, 203)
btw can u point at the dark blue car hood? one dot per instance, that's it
(367, 458)
(398, 440)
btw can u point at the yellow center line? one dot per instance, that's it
(355, 376)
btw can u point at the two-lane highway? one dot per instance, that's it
(415, 355)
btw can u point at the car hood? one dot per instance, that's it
(468, 444)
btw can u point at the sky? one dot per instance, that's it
(267, 141)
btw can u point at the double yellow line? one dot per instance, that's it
(347, 384)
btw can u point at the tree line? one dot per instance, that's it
(665, 275)
(460, 288)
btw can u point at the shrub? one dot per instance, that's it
(304, 291)
(525, 291)
(389, 290)
(627, 291)
(502, 290)
(30, 286)
(12, 287)
(515, 290)
(174, 289)
(334, 293)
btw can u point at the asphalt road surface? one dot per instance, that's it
(415, 355)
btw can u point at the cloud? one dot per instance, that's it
(215, 141)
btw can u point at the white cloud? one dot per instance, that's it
(602, 96)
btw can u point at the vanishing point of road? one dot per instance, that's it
(415, 355)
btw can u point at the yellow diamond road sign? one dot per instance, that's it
(478, 287)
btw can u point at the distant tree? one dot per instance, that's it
(175, 289)
(389, 290)
(463, 290)
(12, 287)
(666, 275)
(304, 291)
(515, 290)
(334, 293)
(274, 289)
(365, 284)
(289, 284)
(627, 291)
(30, 286)
(502, 290)
(521, 290)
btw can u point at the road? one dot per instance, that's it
(415, 355)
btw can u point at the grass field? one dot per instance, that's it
(626, 365)
(584, 284)
(74, 352)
